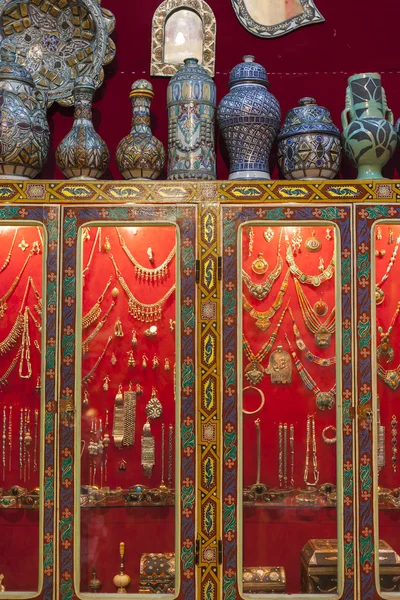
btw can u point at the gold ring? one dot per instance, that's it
(253, 412)
(327, 440)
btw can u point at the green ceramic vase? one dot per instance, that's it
(368, 133)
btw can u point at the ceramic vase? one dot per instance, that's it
(82, 154)
(369, 136)
(309, 144)
(191, 100)
(140, 155)
(24, 132)
(249, 118)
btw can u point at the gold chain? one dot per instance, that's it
(8, 257)
(95, 311)
(17, 328)
(3, 300)
(144, 272)
(138, 310)
(3, 379)
(92, 371)
(86, 342)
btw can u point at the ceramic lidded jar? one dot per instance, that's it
(83, 154)
(309, 144)
(249, 118)
(24, 132)
(191, 101)
(368, 133)
(140, 155)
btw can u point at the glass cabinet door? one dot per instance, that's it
(128, 401)
(378, 272)
(288, 454)
(28, 276)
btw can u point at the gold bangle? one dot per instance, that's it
(253, 412)
(326, 439)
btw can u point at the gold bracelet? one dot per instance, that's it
(253, 412)
(327, 440)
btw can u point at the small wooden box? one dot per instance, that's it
(157, 573)
(264, 580)
(319, 567)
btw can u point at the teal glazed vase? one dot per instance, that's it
(191, 102)
(368, 133)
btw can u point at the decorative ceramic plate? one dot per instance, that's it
(58, 41)
(271, 19)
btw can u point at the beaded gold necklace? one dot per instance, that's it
(322, 362)
(254, 371)
(263, 318)
(321, 331)
(379, 293)
(261, 290)
(314, 280)
(95, 311)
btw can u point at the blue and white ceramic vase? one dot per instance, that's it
(309, 144)
(369, 136)
(83, 154)
(24, 132)
(191, 101)
(140, 155)
(249, 118)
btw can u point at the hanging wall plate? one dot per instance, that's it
(58, 42)
(272, 19)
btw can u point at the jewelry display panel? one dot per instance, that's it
(22, 272)
(386, 241)
(128, 424)
(291, 419)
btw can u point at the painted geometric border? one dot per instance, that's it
(366, 217)
(121, 192)
(209, 404)
(73, 219)
(49, 216)
(233, 217)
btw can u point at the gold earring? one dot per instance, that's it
(134, 338)
(321, 266)
(131, 359)
(85, 398)
(156, 362)
(144, 361)
(166, 365)
(118, 331)
(113, 359)
(107, 245)
(171, 325)
(106, 382)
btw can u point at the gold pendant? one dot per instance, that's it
(254, 372)
(325, 400)
(322, 337)
(385, 350)
(280, 366)
(313, 244)
(260, 265)
(269, 234)
(379, 295)
(320, 308)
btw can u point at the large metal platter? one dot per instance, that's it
(57, 41)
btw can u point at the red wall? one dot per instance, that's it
(313, 61)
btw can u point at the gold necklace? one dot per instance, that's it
(8, 257)
(261, 290)
(17, 328)
(322, 331)
(38, 306)
(379, 293)
(145, 273)
(85, 343)
(254, 371)
(95, 311)
(26, 350)
(3, 300)
(322, 362)
(4, 378)
(91, 255)
(263, 318)
(92, 371)
(314, 280)
(138, 310)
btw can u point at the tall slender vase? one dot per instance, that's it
(369, 136)
(83, 154)
(140, 155)
(191, 100)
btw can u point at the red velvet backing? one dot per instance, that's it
(313, 61)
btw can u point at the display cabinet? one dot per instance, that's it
(28, 318)
(217, 414)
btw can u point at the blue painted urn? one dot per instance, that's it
(309, 144)
(249, 118)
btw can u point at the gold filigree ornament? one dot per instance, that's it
(259, 265)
